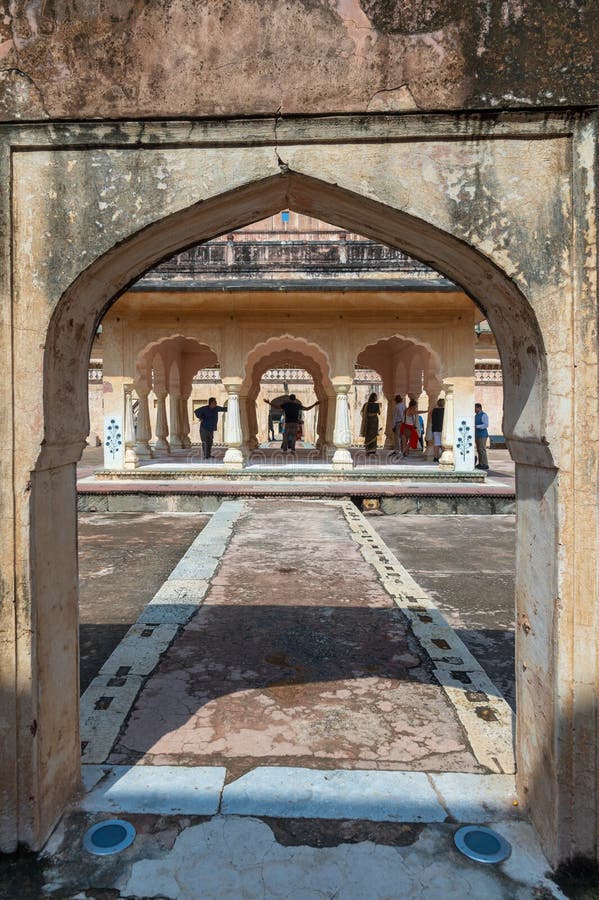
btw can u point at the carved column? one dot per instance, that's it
(144, 428)
(184, 420)
(130, 457)
(233, 434)
(447, 460)
(342, 431)
(174, 408)
(161, 423)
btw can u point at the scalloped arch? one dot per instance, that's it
(415, 342)
(286, 343)
(190, 346)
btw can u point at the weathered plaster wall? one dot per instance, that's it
(80, 58)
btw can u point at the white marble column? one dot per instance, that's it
(342, 432)
(161, 422)
(130, 457)
(174, 408)
(233, 458)
(463, 412)
(144, 429)
(184, 420)
(447, 460)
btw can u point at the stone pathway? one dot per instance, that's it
(299, 656)
(292, 716)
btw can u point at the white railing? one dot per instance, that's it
(488, 376)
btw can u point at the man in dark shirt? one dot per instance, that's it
(437, 428)
(292, 409)
(208, 416)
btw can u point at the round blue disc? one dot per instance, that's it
(110, 836)
(482, 844)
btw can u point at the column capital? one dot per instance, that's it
(342, 384)
(232, 385)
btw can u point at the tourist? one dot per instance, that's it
(437, 428)
(481, 434)
(370, 424)
(398, 414)
(208, 416)
(410, 428)
(292, 410)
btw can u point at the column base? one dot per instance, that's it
(233, 458)
(342, 459)
(447, 461)
(143, 451)
(161, 444)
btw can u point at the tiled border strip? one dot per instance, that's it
(482, 710)
(110, 696)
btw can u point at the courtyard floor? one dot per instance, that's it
(307, 704)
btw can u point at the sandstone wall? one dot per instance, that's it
(129, 58)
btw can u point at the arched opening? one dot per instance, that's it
(83, 304)
(406, 367)
(166, 368)
(281, 351)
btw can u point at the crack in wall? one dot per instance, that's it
(15, 71)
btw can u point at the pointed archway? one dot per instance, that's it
(43, 775)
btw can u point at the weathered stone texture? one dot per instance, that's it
(64, 58)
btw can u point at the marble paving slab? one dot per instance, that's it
(334, 794)
(157, 790)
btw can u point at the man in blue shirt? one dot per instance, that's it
(481, 433)
(208, 416)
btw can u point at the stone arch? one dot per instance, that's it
(80, 309)
(68, 341)
(192, 350)
(397, 343)
(389, 370)
(276, 351)
(288, 343)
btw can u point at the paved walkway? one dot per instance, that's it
(303, 723)
(301, 642)
(297, 656)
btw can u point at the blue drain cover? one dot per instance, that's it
(108, 837)
(482, 844)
